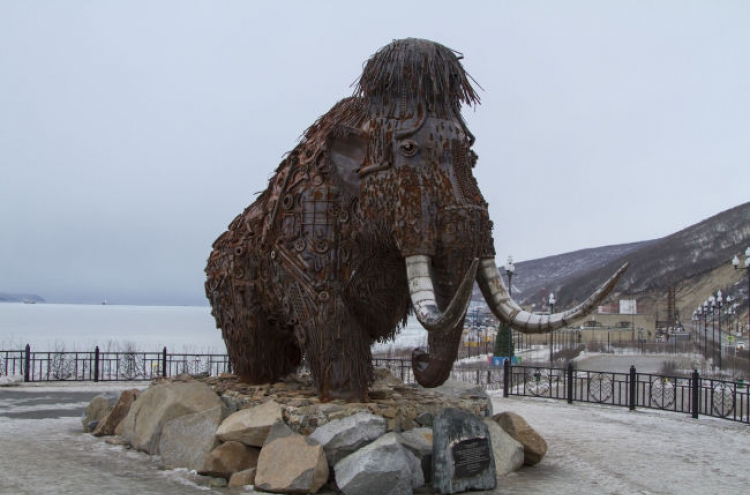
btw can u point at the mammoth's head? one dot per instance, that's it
(410, 159)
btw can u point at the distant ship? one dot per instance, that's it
(104, 302)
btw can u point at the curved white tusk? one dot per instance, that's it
(507, 310)
(423, 295)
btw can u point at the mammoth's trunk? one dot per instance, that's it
(445, 327)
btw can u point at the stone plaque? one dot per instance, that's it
(471, 457)
(462, 457)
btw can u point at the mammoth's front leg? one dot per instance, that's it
(338, 350)
(260, 349)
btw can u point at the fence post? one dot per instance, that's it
(570, 383)
(96, 364)
(164, 362)
(696, 402)
(633, 388)
(27, 364)
(506, 378)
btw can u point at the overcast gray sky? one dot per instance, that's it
(132, 132)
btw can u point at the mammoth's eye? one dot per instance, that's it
(409, 148)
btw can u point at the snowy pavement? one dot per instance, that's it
(43, 449)
(610, 450)
(592, 449)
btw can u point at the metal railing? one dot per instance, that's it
(694, 395)
(99, 366)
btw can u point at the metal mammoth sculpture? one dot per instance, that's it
(373, 216)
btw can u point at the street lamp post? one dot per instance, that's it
(705, 330)
(719, 301)
(738, 266)
(729, 312)
(510, 270)
(551, 301)
(712, 305)
(701, 312)
(696, 323)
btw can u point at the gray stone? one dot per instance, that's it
(187, 441)
(245, 477)
(415, 466)
(98, 408)
(385, 378)
(230, 403)
(462, 455)
(217, 482)
(229, 458)
(108, 424)
(465, 390)
(419, 442)
(250, 426)
(291, 464)
(534, 446)
(343, 436)
(508, 452)
(143, 425)
(384, 466)
(424, 419)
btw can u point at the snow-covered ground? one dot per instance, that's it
(592, 449)
(608, 450)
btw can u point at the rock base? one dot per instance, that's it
(281, 438)
(404, 407)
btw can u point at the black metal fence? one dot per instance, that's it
(694, 395)
(107, 366)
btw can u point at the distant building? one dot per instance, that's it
(628, 307)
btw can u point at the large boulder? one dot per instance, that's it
(509, 456)
(290, 463)
(384, 466)
(534, 446)
(229, 458)
(462, 456)
(419, 443)
(143, 425)
(108, 424)
(186, 441)
(97, 409)
(342, 437)
(250, 426)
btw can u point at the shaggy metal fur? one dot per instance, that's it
(314, 268)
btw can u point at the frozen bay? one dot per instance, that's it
(78, 327)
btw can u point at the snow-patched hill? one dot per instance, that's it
(673, 261)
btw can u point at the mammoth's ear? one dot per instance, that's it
(348, 150)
